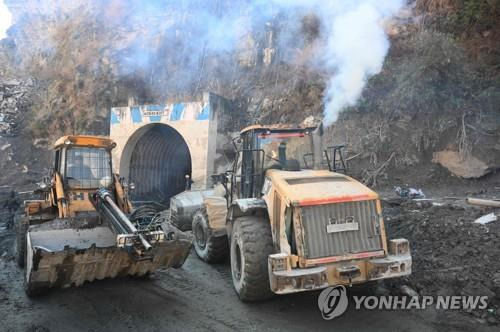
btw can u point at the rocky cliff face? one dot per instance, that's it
(14, 101)
(93, 56)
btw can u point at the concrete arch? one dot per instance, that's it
(205, 126)
(156, 158)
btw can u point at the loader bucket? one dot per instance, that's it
(59, 255)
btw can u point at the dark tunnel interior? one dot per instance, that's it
(159, 164)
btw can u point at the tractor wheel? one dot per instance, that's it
(209, 248)
(251, 244)
(21, 225)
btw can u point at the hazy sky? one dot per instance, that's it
(5, 19)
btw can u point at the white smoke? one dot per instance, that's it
(354, 42)
(355, 49)
(5, 19)
(355, 45)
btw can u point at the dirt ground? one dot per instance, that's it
(200, 296)
(451, 255)
(196, 297)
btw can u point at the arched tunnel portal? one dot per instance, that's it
(156, 159)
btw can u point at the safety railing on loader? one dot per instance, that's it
(247, 183)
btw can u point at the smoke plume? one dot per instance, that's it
(354, 45)
(355, 49)
(5, 19)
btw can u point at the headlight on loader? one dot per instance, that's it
(399, 247)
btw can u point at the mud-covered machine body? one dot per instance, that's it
(292, 221)
(85, 228)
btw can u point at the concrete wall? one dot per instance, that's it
(199, 123)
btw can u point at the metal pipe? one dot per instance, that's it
(317, 138)
(483, 202)
(145, 243)
(104, 204)
(106, 196)
(114, 222)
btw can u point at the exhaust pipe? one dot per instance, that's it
(317, 137)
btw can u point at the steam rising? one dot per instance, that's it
(5, 19)
(355, 45)
(355, 49)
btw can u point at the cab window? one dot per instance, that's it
(88, 168)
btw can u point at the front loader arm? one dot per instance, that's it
(62, 204)
(121, 196)
(137, 241)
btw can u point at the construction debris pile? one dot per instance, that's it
(452, 255)
(13, 98)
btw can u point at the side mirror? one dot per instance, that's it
(236, 141)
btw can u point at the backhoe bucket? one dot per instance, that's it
(60, 255)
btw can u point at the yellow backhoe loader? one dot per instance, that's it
(86, 228)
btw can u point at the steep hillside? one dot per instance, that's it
(436, 98)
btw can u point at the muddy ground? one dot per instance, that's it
(451, 256)
(195, 297)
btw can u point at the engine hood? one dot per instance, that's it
(315, 187)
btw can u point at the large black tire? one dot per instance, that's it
(251, 244)
(211, 249)
(21, 224)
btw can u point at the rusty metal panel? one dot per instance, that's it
(320, 240)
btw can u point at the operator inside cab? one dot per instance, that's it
(88, 168)
(78, 170)
(277, 156)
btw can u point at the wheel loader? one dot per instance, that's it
(290, 220)
(86, 228)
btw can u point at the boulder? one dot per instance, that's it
(468, 168)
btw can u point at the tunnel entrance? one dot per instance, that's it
(158, 161)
